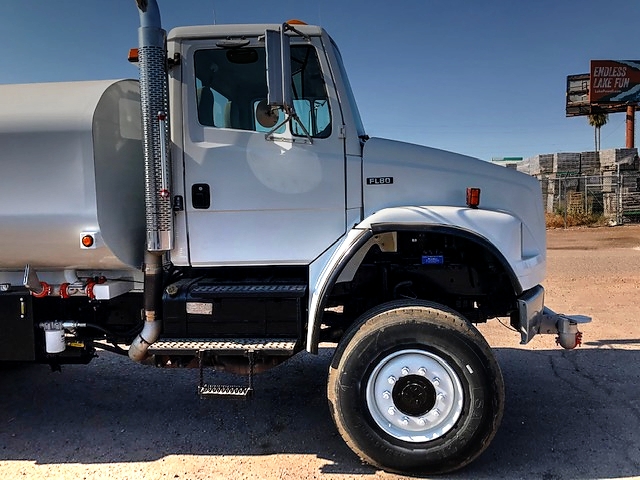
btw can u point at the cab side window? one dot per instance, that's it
(231, 91)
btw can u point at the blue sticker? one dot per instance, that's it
(433, 259)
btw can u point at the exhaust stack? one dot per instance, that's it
(155, 127)
(152, 296)
(155, 130)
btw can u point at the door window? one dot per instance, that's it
(231, 88)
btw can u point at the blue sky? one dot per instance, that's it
(484, 78)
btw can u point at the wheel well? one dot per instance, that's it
(451, 267)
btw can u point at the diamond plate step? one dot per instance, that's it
(268, 290)
(224, 391)
(223, 346)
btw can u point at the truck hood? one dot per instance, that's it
(401, 174)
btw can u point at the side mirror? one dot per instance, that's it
(279, 69)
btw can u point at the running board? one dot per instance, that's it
(223, 346)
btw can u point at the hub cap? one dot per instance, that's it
(414, 396)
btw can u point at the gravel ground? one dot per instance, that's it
(569, 414)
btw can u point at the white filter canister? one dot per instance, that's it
(54, 340)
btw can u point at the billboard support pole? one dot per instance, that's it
(631, 113)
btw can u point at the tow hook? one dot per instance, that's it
(569, 336)
(566, 326)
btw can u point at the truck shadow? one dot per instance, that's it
(572, 414)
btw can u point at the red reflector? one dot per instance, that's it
(473, 197)
(87, 241)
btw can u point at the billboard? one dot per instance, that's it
(578, 95)
(614, 82)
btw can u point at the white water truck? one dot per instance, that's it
(229, 211)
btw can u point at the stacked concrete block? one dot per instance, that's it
(533, 165)
(609, 204)
(552, 186)
(609, 181)
(546, 163)
(589, 163)
(566, 163)
(631, 205)
(626, 157)
(607, 160)
(630, 182)
(541, 164)
(544, 186)
(524, 166)
(551, 203)
(549, 187)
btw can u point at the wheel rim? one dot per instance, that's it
(414, 396)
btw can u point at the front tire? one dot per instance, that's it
(414, 387)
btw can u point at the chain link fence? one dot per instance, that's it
(614, 195)
(604, 183)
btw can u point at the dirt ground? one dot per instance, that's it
(594, 272)
(569, 414)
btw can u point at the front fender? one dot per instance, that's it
(324, 272)
(505, 232)
(500, 231)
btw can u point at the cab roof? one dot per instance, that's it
(248, 30)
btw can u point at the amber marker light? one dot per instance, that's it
(133, 55)
(87, 241)
(473, 197)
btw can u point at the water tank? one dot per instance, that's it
(72, 162)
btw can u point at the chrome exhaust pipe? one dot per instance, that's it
(154, 103)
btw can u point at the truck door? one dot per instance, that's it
(249, 199)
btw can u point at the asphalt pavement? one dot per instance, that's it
(569, 415)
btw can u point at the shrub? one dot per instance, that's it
(557, 220)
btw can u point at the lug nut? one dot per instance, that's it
(392, 410)
(422, 371)
(405, 370)
(386, 394)
(404, 421)
(391, 379)
(436, 381)
(422, 422)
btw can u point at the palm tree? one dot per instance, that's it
(597, 121)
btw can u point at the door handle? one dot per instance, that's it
(200, 196)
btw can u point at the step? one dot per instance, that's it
(224, 391)
(223, 346)
(242, 290)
